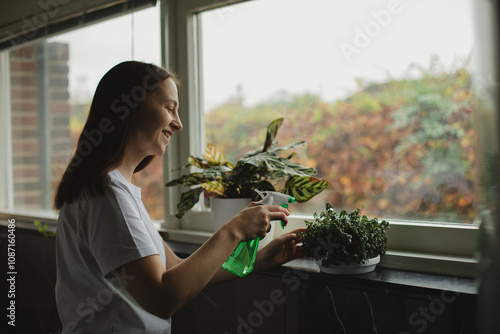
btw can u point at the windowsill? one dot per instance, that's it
(416, 262)
(381, 276)
(385, 275)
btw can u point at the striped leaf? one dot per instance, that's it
(244, 172)
(277, 149)
(197, 162)
(273, 162)
(215, 187)
(287, 147)
(304, 188)
(188, 200)
(214, 172)
(189, 180)
(214, 155)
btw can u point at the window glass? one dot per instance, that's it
(380, 90)
(52, 85)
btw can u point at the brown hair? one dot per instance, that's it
(111, 122)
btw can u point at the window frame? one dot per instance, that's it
(420, 246)
(426, 247)
(7, 208)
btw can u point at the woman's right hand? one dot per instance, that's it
(254, 221)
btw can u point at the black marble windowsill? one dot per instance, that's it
(381, 278)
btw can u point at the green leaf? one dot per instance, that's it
(244, 172)
(188, 200)
(273, 162)
(287, 147)
(42, 228)
(272, 131)
(197, 162)
(189, 180)
(304, 188)
(215, 172)
(277, 149)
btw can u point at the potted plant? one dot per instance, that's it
(344, 243)
(263, 169)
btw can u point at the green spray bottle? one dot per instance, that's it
(242, 260)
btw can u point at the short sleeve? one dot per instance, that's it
(114, 230)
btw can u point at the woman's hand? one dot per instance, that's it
(280, 250)
(254, 221)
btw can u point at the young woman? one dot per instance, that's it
(114, 272)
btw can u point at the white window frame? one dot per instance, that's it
(425, 247)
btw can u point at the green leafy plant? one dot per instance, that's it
(345, 237)
(263, 169)
(43, 229)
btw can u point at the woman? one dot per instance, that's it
(114, 272)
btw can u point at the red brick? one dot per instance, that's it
(26, 146)
(23, 66)
(59, 107)
(24, 106)
(24, 92)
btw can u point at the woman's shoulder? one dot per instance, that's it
(118, 182)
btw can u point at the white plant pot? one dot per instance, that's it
(223, 209)
(350, 269)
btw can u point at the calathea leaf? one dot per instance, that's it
(189, 180)
(215, 172)
(287, 147)
(244, 172)
(188, 200)
(304, 188)
(277, 149)
(272, 131)
(198, 162)
(273, 162)
(214, 155)
(215, 187)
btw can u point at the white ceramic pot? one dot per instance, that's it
(223, 209)
(351, 269)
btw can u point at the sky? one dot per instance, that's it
(267, 47)
(324, 46)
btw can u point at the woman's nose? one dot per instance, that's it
(177, 124)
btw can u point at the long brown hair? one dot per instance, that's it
(110, 124)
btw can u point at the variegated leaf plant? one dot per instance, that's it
(261, 169)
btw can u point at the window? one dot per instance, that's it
(52, 82)
(380, 90)
(355, 82)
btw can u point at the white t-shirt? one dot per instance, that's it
(95, 237)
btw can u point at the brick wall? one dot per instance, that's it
(31, 84)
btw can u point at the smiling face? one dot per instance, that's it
(158, 120)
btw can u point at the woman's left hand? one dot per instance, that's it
(280, 250)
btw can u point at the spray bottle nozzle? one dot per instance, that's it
(273, 197)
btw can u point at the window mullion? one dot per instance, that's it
(6, 173)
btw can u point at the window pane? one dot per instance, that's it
(380, 90)
(52, 85)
